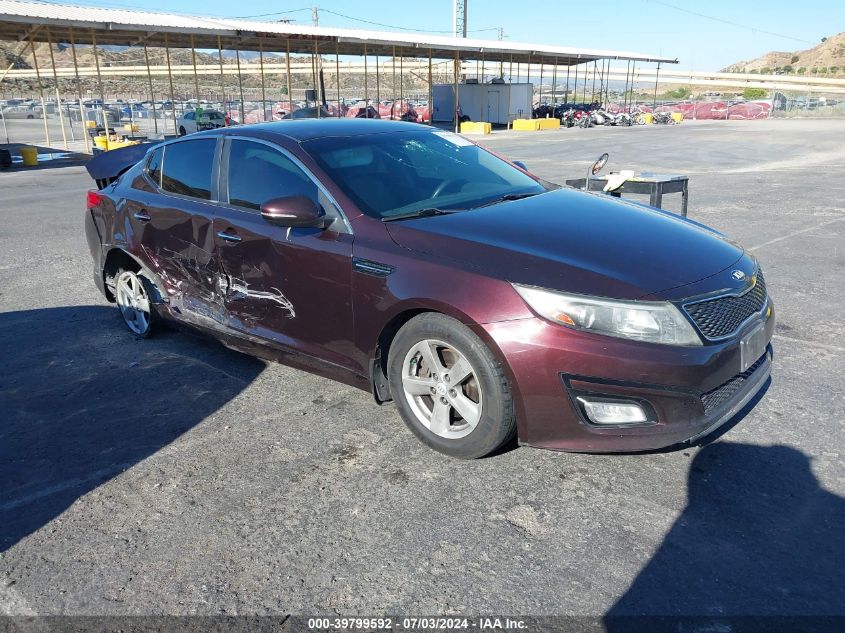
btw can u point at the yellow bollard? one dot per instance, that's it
(29, 156)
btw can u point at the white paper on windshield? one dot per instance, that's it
(454, 139)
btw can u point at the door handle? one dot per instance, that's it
(142, 216)
(229, 237)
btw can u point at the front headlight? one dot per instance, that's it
(650, 321)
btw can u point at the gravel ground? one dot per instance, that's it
(173, 476)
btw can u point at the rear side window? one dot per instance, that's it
(154, 165)
(188, 168)
(258, 173)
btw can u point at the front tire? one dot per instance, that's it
(182, 131)
(449, 388)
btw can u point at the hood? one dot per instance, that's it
(574, 241)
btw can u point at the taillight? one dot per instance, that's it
(227, 120)
(94, 198)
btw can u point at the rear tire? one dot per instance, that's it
(132, 294)
(449, 388)
(182, 131)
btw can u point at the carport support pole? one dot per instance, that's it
(56, 80)
(79, 93)
(554, 84)
(196, 79)
(566, 93)
(366, 83)
(624, 96)
(393, 86)
(240, 84)
(455, 102)
(430, 88)
(170, 81)
(540, 95)
(100, 85)
(287, 70)
(150, 81)
(656, 77)
(222, 78)
(337, 73)
(40, 90)
(401, 83)
(378, 87)
(261, 68)
(575, 91)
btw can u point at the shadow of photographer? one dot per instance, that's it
(758, 538)
(82, 401)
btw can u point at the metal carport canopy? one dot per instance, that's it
(22, 20)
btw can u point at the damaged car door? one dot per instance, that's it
(287, 285)
(176, 220)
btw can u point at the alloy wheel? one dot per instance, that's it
(442, 389)
(133, 302)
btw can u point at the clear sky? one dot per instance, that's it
(702, 35)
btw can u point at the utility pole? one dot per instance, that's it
(501, 33)
(315, 16)
(460, 25)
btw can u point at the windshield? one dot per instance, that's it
(398, 174)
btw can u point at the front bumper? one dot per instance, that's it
(691, 390)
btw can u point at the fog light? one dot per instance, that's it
(613, 411)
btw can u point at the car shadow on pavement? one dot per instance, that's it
(759, 537)
(82, 401)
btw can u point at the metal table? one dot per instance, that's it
(653, 185)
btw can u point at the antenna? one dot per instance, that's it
(460, 25)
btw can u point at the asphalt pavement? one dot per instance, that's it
(173, 476)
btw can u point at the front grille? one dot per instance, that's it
(720, 317)
(714, 399)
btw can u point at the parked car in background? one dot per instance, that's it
(134, 111)
(189, 122)
(310, 113)
(411, 263)
(22, 112)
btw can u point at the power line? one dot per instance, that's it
(400, 28)
(266, 15)
(729, 22)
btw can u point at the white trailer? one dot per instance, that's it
(493, 103)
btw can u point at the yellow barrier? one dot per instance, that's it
(29, 156)
(476, 127)
(549, 124)
(129, 128)
(90, 124)
(106, 144)
(648, 117)
(526, 125)
(677, 117)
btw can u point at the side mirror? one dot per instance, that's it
(599, 164)
(293, 211)
(521, 165)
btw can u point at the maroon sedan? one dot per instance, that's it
(407, 261)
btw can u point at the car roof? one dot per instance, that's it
(307, 129)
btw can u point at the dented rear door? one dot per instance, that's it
(176, 222)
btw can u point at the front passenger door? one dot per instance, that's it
(290, 286)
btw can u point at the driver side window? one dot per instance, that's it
(258, 173)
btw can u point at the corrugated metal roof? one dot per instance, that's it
(122, 26)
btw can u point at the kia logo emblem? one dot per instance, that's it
(738, 275)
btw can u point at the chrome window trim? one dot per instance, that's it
(235, 137)
(215, 170)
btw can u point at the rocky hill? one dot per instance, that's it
(828, 59)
